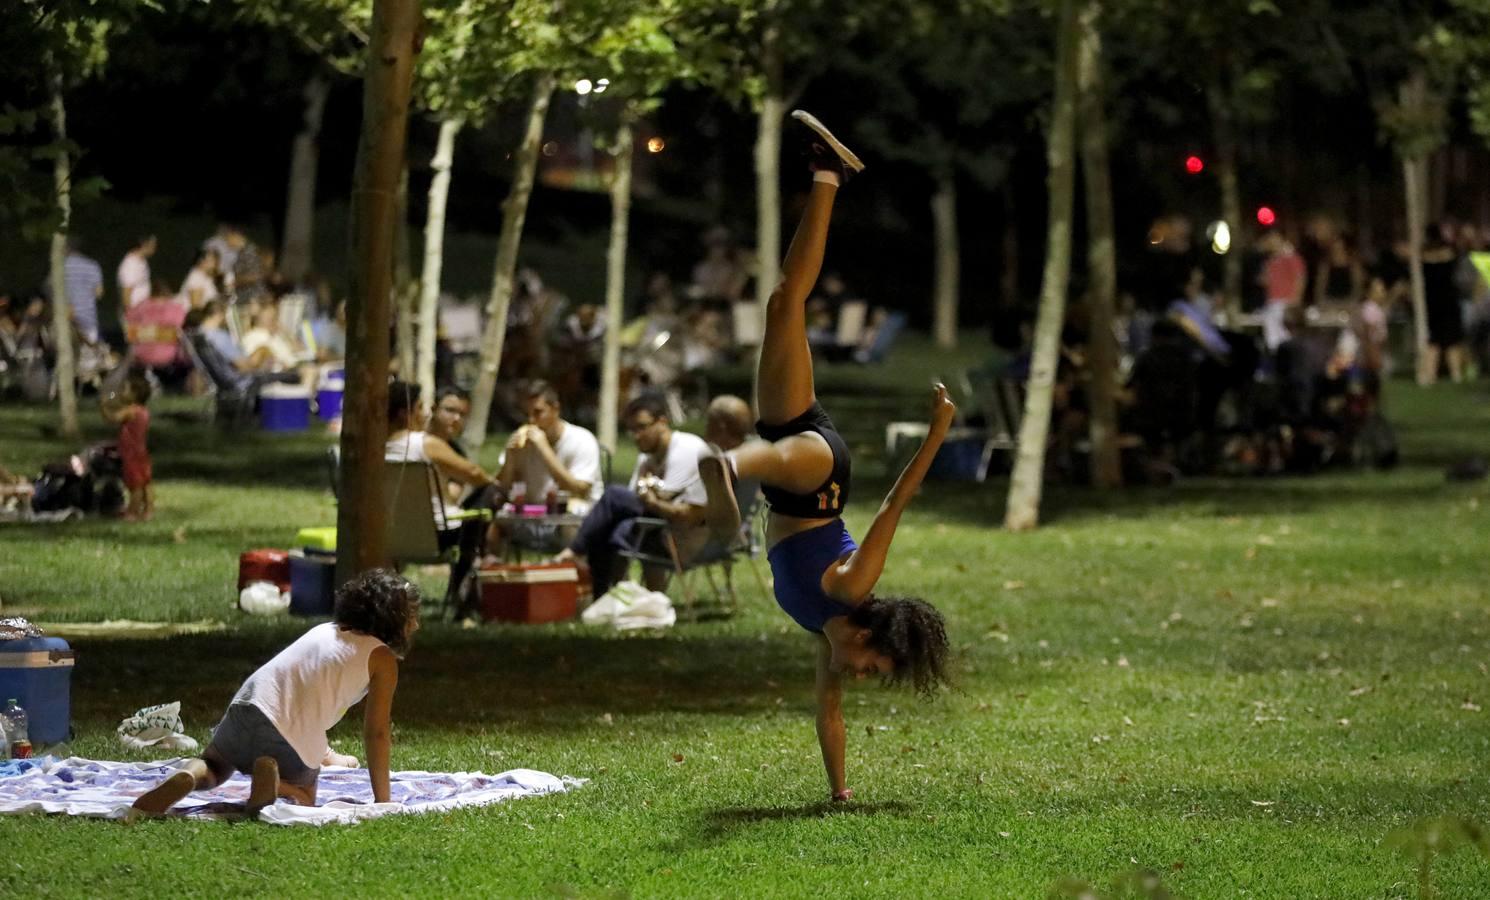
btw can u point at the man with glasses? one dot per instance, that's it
(665, 485)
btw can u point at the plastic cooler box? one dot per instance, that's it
(37, 672)
(532, 593)
(328, 396)
(264, 565)
(312, 582)
(284, 407)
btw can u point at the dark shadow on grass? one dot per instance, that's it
(722, 823)
(544, 680)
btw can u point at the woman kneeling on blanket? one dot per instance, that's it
(276, 725)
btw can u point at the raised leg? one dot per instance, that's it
(783, 376)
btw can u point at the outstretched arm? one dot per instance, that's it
(377, 719)
(831, 735)
(852, 579)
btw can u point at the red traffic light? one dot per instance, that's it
(1194, 165)
(1266, 216)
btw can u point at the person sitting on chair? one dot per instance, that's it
(408, 441)
(665, 485)
(243, 372)
(546, 456)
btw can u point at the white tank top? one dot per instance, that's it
(410, 448)
(310, 685)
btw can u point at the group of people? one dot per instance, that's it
(275, 727)
(558, 463)
(1289, 387)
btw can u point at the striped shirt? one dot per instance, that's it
(83, 280)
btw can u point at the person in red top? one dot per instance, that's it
(128, 410)
(1283, 276)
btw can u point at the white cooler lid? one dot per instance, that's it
(284, 392)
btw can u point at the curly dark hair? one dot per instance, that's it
(380, 603)
(911, 632)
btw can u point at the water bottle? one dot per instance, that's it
(4, 741)
(17, 735)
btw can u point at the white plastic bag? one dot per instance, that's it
(157, 727)
(262, 598)
(628, 605)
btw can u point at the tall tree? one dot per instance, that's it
(952, 86)
(336, 33)
(1027, 483)
(297, 254)
(642, 50)
(64, 42)
(474, 56)
(1106, 460)
(388, 76)
(514, 213)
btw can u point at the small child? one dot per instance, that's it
(128, 410)
(275, 728)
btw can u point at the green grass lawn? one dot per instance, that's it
(1242, 685)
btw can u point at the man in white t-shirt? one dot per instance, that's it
(665, 484)
(134, 272)
(549, 453)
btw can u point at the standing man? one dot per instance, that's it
(1283, 277)
(134, 273)
(83, 280)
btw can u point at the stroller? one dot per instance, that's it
(88, 482)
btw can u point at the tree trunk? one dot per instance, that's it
(361, 519)
(1415, 183)
(1023, 511)
(514, 211)
(1009, 250)
(615, 285)
(1106, 460)
(1223, 128)
(295, 258)
(946, 288)
(768, 174)
(67, 388)
(434, 254)
(405, 290)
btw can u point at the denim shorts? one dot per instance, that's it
(245, 734)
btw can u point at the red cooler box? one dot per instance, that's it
(535, 593)
(264, 565)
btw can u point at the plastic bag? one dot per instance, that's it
(628, 605)
(157, 727)
(262, 598)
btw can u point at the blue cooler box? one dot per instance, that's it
(312, 583)
(328, 399)
(284, 407)
(37, 672)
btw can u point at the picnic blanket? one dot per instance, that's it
(102, 789)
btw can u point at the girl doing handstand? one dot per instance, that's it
(823, 580)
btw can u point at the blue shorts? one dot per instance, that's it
(245, 734)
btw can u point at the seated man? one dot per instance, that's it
(447, 421)
(547, 455)
(267, 334)
(226, 362)
(665, 485)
